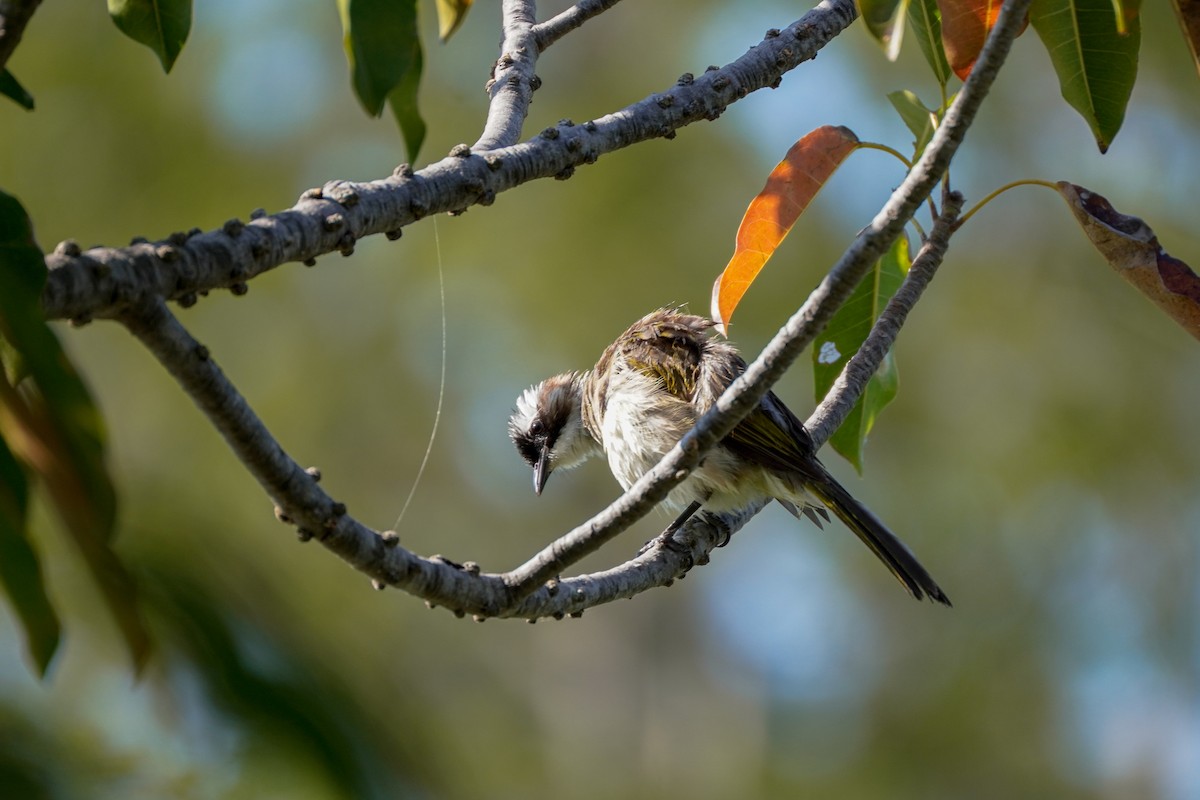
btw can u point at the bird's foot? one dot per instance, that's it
(667, 537)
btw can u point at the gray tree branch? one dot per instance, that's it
(799, 331)
(301, 501)
(533, 590)
(831, 412)
(102, 282)
(513, 80)
(878, 236)
(140, 305)
(548, 32)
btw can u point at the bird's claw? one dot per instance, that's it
(667, 541)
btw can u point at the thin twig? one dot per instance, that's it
(999, 191)
(799, 331)
(849, 385)
(655, 567)
(513, 80)
(782, 351)
(548, 32)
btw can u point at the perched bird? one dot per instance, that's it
(647, 390)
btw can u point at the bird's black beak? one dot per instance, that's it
(541, 470)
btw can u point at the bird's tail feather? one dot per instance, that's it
(875, 535)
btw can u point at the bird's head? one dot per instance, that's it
(547, 427)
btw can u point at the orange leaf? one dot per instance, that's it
(790, 187)
(1132, 249)
(965, 26)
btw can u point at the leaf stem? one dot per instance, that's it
(1000, 191)
(883, 148)
(891, 151)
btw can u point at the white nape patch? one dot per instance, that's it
(828, 354)
(527, 407)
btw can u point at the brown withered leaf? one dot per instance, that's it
(1132, 249)
(1188, 12)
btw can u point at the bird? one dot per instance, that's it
(647, 391)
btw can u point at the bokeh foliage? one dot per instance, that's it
(1041, 457)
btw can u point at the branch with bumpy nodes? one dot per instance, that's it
(105, 281)
(513, 80)
(548, 32)
(659, 566)
(534, 590)
(693, 542)
(831, 412)
(132, 285)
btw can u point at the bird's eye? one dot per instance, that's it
(536, 428)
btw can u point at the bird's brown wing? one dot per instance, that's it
(669, 347)
(676, 350)
(772, 436)
(665, 345)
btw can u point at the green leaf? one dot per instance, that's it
(842, 338)
(451, 14)
(926, 22)
(380, 37)
(53, 425)
(72, 429)
(384, 52)
(885, 22)
(403, 102)
(13, 90)
(20, 572)
(1096, 66)
(918, 118)
(161, 25)
(12, 366)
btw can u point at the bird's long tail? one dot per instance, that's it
(875, 535)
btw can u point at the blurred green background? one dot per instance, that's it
(1042, 457)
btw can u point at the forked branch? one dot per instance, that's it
(513, 80)
(102, 282)
(799, 331)
(533, 590)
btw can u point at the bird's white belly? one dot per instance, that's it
(635, 437)
(642, 423)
